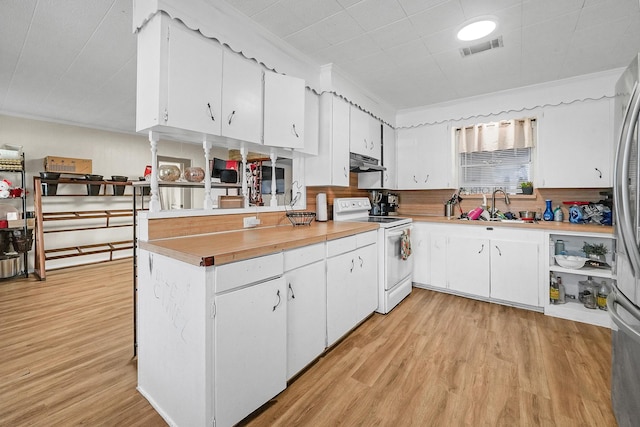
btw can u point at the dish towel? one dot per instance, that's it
(405, 244)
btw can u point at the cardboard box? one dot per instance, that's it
(67, 165)
(226, 202)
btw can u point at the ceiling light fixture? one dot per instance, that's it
(476, 30)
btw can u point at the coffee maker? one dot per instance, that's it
(383, 204)
(393, 202)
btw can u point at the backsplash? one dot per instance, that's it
(431, 202)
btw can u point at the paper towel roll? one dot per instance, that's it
(321, 207)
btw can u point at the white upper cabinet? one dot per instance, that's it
(179, 78)
(386, 179)
(575, 146)
(311, 123)
(331, 165)
(425, 158)
(241, 98)
(284, 100)
(364, 134)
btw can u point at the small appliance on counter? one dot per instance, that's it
(383, 204)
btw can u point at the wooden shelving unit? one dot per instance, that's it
(67, 221)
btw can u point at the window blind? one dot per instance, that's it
(484, 171)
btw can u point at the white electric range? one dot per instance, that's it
(395, 273)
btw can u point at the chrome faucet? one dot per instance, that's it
(493, 201)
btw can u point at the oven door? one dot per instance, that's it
(396, 268)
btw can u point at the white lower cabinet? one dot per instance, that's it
(250, 349)
(306, 309)
(515, 267)
(498, 264)
(352, 292)
(216, 343)
(468, 265)
(421, 247)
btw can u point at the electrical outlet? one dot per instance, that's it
(249, 221)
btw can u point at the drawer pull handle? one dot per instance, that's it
(293, 296)
(279, 300)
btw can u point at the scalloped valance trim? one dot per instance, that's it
(194, 26)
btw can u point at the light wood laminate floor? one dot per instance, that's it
(436, 360)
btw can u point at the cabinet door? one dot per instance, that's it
(420, 244)
(331, 165)
(311, 123)
(468, 265)
(366, 259)
(306, 316)
(575, 146)
(514, 271)
(407, 147)
(359, 139)
(194, 83)
(250, 349)
(425, 158)
(437, 261)
(241, 98)
(375, 135)
(283, 111)
(341, 295)
(386, 179)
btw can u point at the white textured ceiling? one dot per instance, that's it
(75, 60)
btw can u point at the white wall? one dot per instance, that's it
(111, 154)
(512, 103)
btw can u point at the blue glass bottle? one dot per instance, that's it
(548, 213)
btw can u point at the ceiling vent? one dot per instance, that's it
(481, 47)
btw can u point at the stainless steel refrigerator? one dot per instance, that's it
(623, 302)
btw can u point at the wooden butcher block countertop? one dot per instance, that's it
(226, 247)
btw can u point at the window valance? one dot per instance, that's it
(492, 136)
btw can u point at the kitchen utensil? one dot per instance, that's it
(448, 210)
(475, 213)
(570, 261)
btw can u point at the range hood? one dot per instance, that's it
(359, 163)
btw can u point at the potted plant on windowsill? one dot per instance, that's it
(527, 187)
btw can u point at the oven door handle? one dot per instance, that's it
(399, 233)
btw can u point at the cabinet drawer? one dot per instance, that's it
(367, 238)
(303, 256)
(237, 274)
(342, 245)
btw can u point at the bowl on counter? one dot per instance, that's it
(527, 215)
(570, 261)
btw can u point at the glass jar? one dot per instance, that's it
(194, 174)
(168, 173)
(589, 295)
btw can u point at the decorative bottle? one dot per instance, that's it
(548, 212)
(603, 293)
(557, 214)
(554, 290)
